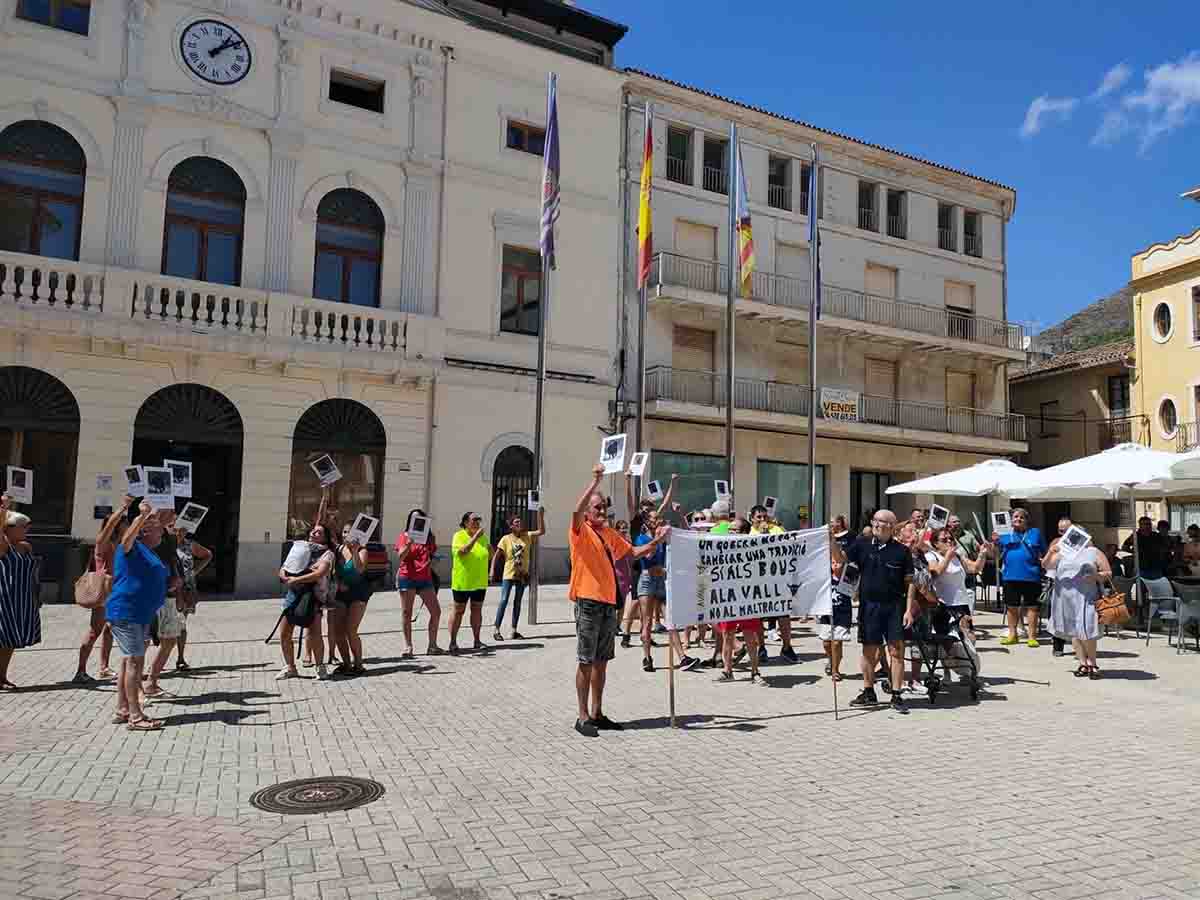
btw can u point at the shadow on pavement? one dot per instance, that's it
(1125, 675)
(238, 698)
(790, 681)
(227, 716)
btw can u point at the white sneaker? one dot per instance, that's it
(322, 673)
(285, 672)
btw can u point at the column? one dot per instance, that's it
(125, 201)
(416, 286)
(286, 147)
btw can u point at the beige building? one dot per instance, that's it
(1076, 404)
(913, 330)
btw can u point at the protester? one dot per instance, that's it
(414, 578)
(349, 605)
(170, 621)
(469, 576)
(189, 552)
(760, 521)
(102, 562)
(510, 565)
(834, 629)
(1191, 550)
(140, 585)
(751, 629)
(595, 547)
(1152, 550)
(20, 611)
(841, 532)
(1078, 579)
(1064, 524)
(950, 568)
(1021, 552)
(887, 603)
(625, 587)
(652, 594)
(314, 576)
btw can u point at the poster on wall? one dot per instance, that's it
(839, 405)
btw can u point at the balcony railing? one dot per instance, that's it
(779, 196)
(709, 389)
(946, 239)
(803, 206)
(716, 180)
(867, 220)
(794, 293)
(897, 227)
(1187, 437)
(973, 244)
(679, 170)
(1123, 430)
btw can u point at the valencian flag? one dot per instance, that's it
(745, 239)
(814, 234)
(550, 175)
(645, 227)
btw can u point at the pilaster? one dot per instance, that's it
(125, 201)
(419, 224)
(286, 147)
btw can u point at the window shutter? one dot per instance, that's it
(881, 281)
(881, 378)
(697, 241)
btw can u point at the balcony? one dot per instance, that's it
(679, 170)
(1123, 430)
(867, 219)
(947, 239)
(143, 307)
(1186, 438)
(972, 244)
(803, 207)
(779, 196)
(716, 180)
(897, 227)
(768, 400)
(673, 276)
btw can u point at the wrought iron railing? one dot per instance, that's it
(1123, 430)
(679, 170)
(947, 239)
(867, 219)
(710, 389)
(794, 293)
(716, 180)
(973, 244)
(1187, 437)
(779, 196)
(897, 227)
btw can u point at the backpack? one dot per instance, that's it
(303, 609)
(379, 565)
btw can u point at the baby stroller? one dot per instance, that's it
(940, 646)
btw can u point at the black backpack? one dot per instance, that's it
(303, 609)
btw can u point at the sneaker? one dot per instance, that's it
(724, 678)
(604, 723)
(898, 704)
(789, 654)
(497, 636)
(322, 672)
(586, 728)
(1007, 641)
(285, 672)
(757, 680)
(83, 678)
(624, 641)
(453, 649)
(182, 666)
(694, 663)
(480, 645)
(517, 636)
(885, 685)
(866, 697)
(647, 665)
(660, 628)
(1032, 642)
(773, 635)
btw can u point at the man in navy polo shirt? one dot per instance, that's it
(886, 602)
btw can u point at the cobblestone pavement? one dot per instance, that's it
(1050, 787)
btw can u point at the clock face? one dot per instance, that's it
(215, 51)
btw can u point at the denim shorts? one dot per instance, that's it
(596, 627)
(412, 584)
(652, 586)
(131, 637)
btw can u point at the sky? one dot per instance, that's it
(1090, 111)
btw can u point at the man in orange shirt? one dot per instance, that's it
(595, 549)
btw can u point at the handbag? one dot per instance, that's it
(92, 589)
(1111, 609)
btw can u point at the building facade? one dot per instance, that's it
(913, 333)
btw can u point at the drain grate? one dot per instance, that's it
(313, 796)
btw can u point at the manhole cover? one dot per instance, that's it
(310, 796)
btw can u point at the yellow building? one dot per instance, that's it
(1166, 284)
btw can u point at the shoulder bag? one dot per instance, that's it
(1110, 608)
(92, 588)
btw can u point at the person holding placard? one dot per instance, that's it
(349, 602)
(469, 576)
(1021, 552)
(762, 523)
(1078, 579)
(170, 622)
(414, 577)
(751, 629)
(949, 567)
(102, 562)
(510, 565)
(308, 567)
(189, 553)
(20, 612)
(1064, 525)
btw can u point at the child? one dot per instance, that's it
(835, 628)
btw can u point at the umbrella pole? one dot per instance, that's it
(1137, 564)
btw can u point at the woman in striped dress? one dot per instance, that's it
(20, 617)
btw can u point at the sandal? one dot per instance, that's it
(836, 676)
(497, 636)
(1082, 672)
(7, 685)
(1094, 674)
(145, 724)
(120, 718)
(182, 666)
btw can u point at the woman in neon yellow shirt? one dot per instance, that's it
(469, 576)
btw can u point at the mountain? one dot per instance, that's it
(1108, 319)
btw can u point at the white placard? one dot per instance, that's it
(769, 504)
(938, 517)
(364, 526)
(103, 508)
(298, 556)
(848, 583)
(418, 529)
(181, 476)
(533, 501)
(159, 487)
(637, 463)
(721, 489)
(1002, 522)
(612, 454)
(20, 484)
(326, 470)
(135, 477)
(1073, 540)
(104, 484)
(191, 517)
(654, 489)
(719, 578)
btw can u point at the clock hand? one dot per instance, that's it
(229, 42)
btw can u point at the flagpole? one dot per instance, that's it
(813, 313)
(729, 311)
(539, 402)
(641, 347)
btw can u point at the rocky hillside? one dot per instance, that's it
(1108, 319)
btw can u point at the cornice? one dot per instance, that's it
(526, 186)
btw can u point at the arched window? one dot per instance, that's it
(512, 479)
(202, 234)
(349, 248)
(41, 190)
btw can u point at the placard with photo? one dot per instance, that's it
(160, 486)
(612, 454)
(770, 503)
(848, 583)
(721, 489)
(1074, 540)
(655, 490)
(364, 526)
(103, 508)
(191, 517)
(1002, 522)
(135, 478)
(181, 476)
(637, 463)
(533, 500)
(20, 484)
(419, 528)
(326, 470)
(104, 484)
(938, 517)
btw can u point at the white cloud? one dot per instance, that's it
(1043, 107)
(1114, 79)
(1112, 128)
(1168, 100)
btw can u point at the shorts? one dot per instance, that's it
(652, 586)
(130, 637)
(345, 599)
(414, 584)
(596, 627)
(827, 631)
(752, 626)
(880, 623)
(1022, 593)
(171, 622)
(473, 596)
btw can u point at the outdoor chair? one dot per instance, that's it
(1189, 613)
(1162, 602)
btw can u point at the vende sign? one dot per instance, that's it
(839, 405)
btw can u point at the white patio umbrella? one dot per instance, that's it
(1187, 465)
(988, 477)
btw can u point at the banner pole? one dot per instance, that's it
(671, 673)
(836, 715)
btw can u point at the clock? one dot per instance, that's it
(215, 52)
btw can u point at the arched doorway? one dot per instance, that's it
(196, 424)
(39, 430)
(512, 479)
(354, 436)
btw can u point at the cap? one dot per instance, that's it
(720, 509)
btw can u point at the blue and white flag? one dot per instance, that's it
(550, 175)
(814, 235)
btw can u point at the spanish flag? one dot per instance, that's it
(745, 237)
(645, 227)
